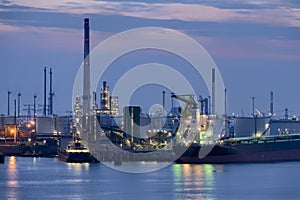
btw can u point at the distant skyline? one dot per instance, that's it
(254, 43)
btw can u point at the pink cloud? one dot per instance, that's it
(285, 15)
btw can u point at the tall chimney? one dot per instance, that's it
(51, 94)
(253, 106)
(272, 103)
(15, 120)
(213, 101)
(8, 101)
(34, 105)
(225, 102)
(94, 100)
(19, 104)
(45, 91)
(86, 70)
(164, 99)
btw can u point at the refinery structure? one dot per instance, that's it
(105, 128)
(39, 120)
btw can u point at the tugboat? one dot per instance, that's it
(76, 153)
(2, 158)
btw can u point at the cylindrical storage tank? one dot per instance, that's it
(45, 125)
(131, 117)
(251, 126)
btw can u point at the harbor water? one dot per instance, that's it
(48, 178)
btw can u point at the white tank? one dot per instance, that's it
(251, 126)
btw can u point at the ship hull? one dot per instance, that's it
(243, 153)
(2, 158)
(40, 149)
(76, 157)
(14, 149)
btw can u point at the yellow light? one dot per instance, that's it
(32, 122)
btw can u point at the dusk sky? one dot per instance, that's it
(254, 43)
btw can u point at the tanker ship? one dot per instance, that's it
(243, 150)
(205, 138)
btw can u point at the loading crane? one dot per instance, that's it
(189, 101)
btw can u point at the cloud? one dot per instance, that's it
(49, 37)
(275, 13)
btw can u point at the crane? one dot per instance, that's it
(189, 101)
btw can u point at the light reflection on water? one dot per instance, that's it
(47, 178)
(194, 181)
(12, 179)
(78, 168)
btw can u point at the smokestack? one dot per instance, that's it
(206, 103)
(15, 120)
(225, 102)
(253, 106)
(19, 102)
(94, 100)
(213, 92)
(86, 70)
(271, 104)
(15, 110)
(172, 100)
(51, 95)
(45, 91)
(164, 99)
(8, 101)
(34, 106)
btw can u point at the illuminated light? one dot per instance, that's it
(78, 150)
(12, 160)
(258, 134)
(32, 122)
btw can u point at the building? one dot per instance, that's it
(105, 107)
(114, 105)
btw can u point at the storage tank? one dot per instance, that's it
(251, 126)
(284, 126)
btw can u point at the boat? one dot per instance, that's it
(260, 149)
(33, 148)
(14, 148)
(206, 139)
(43, 147)
(2, 158)
(19, 138)
(76, 152)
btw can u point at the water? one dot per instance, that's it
(47, 178)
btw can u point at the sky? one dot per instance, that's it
(254, 43)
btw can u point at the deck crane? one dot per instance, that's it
(190, 103)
